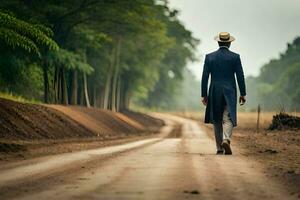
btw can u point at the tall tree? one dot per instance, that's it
(132, 48)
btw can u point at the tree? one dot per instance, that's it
(110, 51)
(18, 33)
(172, 65)
(63, 60)
(277, 85)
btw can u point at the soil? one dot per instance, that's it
(22, 121)
(30, 130)
(261, 160)
(277, 150)
(181, 166)
(179, 163)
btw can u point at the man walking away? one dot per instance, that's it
(222, 66)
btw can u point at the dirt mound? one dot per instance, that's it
(28, 122)
(11, 147)
(144, 119)
(22, 121)
(106, 123)
(283, 121)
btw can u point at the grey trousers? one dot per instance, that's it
(223, 129)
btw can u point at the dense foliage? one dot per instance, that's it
(278, 87)
(18, 33)
(105, 53)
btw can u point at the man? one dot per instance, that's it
(221, 100)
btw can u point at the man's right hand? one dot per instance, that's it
(242, 100)
(204, 100)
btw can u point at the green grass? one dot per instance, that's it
(18, 98)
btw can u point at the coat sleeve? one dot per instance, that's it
(205, 76)
(240, 76)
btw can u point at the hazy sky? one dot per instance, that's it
(261, 27)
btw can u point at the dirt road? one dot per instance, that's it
(182, 165)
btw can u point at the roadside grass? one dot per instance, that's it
(18, 98)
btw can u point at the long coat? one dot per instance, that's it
(222, 65)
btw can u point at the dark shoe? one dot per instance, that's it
(220, 152)
(226, 146)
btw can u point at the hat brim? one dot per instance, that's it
(231, 39)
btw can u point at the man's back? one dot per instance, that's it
(222, 65)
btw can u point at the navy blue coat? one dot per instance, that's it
(222, 65)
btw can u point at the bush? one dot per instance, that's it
(283, 121)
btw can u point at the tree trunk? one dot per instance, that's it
(64, 97)
(59, 86)
(55, 85)
(118, 94)
(81, 96)
(127, 100)
(85, 87)
(107, 88)
(95, 96)
(74, 87)
(115, 77)
(123, 93)
(46, 83)
(101, 98)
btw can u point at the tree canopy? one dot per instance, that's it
(30, 37)
(104, 53)
(277, 87)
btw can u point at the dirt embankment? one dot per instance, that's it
(28, 127)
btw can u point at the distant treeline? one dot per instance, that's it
(185, 95)
(105, 53)
(278, 85)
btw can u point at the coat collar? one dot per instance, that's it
(223, 47)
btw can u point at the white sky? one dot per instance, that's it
(262, 28)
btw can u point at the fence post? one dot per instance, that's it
(258, 118)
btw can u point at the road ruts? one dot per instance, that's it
(183, 166)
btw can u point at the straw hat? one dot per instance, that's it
(224, 37)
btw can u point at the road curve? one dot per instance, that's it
(183, 166)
